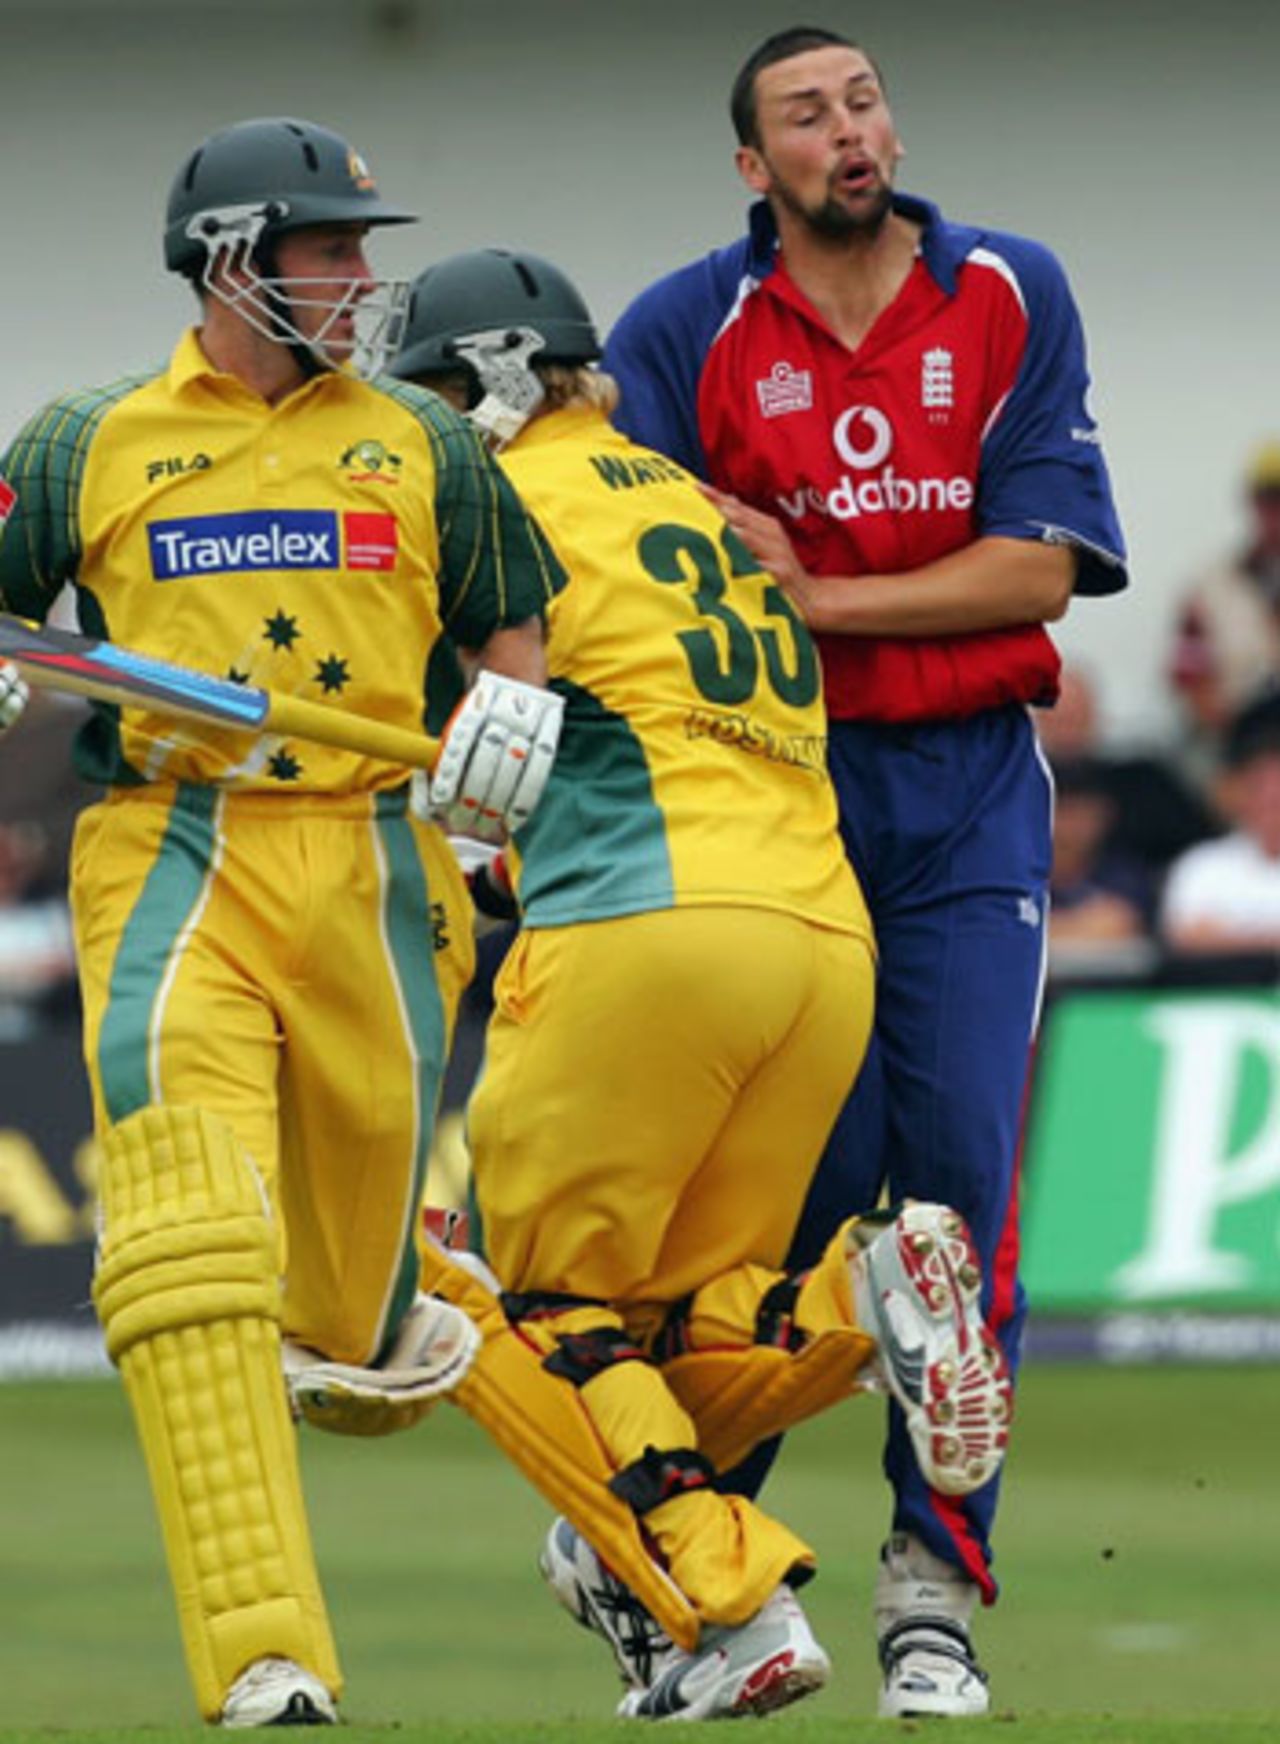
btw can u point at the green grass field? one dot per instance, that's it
(1140, 1560)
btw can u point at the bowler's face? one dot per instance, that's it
(828, 146)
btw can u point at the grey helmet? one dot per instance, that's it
(490, 315)
(246, 186)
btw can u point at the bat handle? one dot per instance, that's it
(297, 718)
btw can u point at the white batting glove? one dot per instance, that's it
(484, 867)
(13, 694)
(433, 1351)
(497, 754)
(473, 856)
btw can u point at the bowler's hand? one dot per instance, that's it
(768, 542)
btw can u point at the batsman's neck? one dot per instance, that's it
(233, 347)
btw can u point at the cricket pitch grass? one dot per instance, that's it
(1139, 1560)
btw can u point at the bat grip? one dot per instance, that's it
(296, 717)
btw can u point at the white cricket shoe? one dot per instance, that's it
(765, 1663)
(923, 1606)
(931, 1670)
(276, 1692)
(916, 1287)
(596, 1598)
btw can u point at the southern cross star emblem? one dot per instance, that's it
(282, 631)
(332, 674)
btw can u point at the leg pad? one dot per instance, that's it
(759, 1353)
(188, 1292)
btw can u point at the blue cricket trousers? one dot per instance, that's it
(949, 827)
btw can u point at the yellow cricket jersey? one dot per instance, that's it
(692, 768)
(334, 546)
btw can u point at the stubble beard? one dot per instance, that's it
(831, 220)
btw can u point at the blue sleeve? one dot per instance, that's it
(657, 349)
(1043, 474)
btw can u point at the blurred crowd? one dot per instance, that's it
(40, 798)
(1171, 850)
(1175, 850)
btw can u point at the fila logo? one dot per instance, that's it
(784, 390)
(174, 466)
(270, 539)
(937, 379)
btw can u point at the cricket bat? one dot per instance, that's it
(61, 660)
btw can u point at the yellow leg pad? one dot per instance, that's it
(630, 1405)
(188, 1293)
(540, 1423)
(729, 1554)
(739, 1392)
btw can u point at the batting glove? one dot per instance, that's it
(433, 1351)
(484, 866)
(13, 694)
(496, 756)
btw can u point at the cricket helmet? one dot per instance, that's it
(289, 173)
(490, 315)
(248, 185)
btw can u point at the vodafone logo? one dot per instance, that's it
(863, 437)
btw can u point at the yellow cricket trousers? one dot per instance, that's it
(292, 964)
(656, 1093)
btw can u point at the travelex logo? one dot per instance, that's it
(863, 438)
(271, 539)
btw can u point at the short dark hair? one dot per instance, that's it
(1082, 774)
(1254, 731)
(781, 46)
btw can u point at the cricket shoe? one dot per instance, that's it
(923, 1607)
(929, 1668)
(765, 1663)
(276, 1692)
(916, 1287)
(596, 1598)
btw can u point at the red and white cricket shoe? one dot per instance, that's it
(916, 1289)
(766, 1663)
